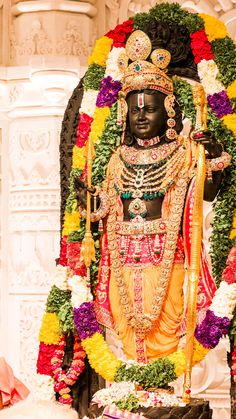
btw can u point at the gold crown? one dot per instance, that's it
(141, 74)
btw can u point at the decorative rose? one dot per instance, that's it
(119, 34)
(83, 129)
(46, 352)
(63, 250)
(201, 47)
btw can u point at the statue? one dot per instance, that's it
(128, 220)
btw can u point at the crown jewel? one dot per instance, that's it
(141, 74)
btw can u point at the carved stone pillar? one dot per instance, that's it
(32, 110)
(55, 28)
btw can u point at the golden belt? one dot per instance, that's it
(140, 227)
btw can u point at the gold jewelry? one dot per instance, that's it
(148, 143)
(141, 74)
(99, 213)
(219, 163)
(171, 134)
(142, 322)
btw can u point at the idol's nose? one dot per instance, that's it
(141, 114)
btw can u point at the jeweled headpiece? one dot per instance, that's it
(141, 74)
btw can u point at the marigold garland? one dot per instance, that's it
(100, 116)
(230, 122)
(101, 358)
(71, 222)
(231, 90)
(100, 52)
(79, 157)
(49, 331)
(214, 28)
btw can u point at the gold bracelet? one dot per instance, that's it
(101, 212)
(217, 164)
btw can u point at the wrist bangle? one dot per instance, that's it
(217, 164)
(101, 212)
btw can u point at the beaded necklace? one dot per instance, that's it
(148, 143)
(151, 177)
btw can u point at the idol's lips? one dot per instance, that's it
(142, 125)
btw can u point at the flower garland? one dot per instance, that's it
(98, 119)
(64, 379)
(57, 322)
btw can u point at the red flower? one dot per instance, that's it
(83, 129)
(201, 47)
(229, 274)
(120, 33)
(232, 256)
(63, 250)
(46, 353)
(73, 258)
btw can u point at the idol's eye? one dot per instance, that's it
(150, 109)
(135, 110)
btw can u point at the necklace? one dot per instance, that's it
(142, 322)
(148, 143)
(148, 181)
(133, 156)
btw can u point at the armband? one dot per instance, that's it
(217, 164)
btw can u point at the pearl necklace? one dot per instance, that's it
(148, 143)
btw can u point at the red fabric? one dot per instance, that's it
(206, 284)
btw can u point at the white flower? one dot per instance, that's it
(44, 387)
(80, 290)
(224, 300)
(208, 72)
(112, 68)
(113, 393)
(61, 276)
(88, 104)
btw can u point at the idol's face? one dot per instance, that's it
(147, 115)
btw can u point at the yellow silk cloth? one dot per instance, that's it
(163, 339)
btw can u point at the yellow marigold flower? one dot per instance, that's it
(230, 121)
(101, 51)
(100, 357)
(231, 90)
(214, 28)
(234, 221)
(178, 358)
(49, 331)
(199, 352)
(232, 234)
(97, 126)
(79, 157)
(71, 222)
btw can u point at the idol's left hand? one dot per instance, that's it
(206, 137)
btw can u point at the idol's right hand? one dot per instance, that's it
(81, 192)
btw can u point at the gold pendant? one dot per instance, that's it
(137, 207)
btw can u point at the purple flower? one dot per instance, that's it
(108, 93)
(211, 330)
(85, 321)
(220, 104)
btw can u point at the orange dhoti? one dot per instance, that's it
(141, 276)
